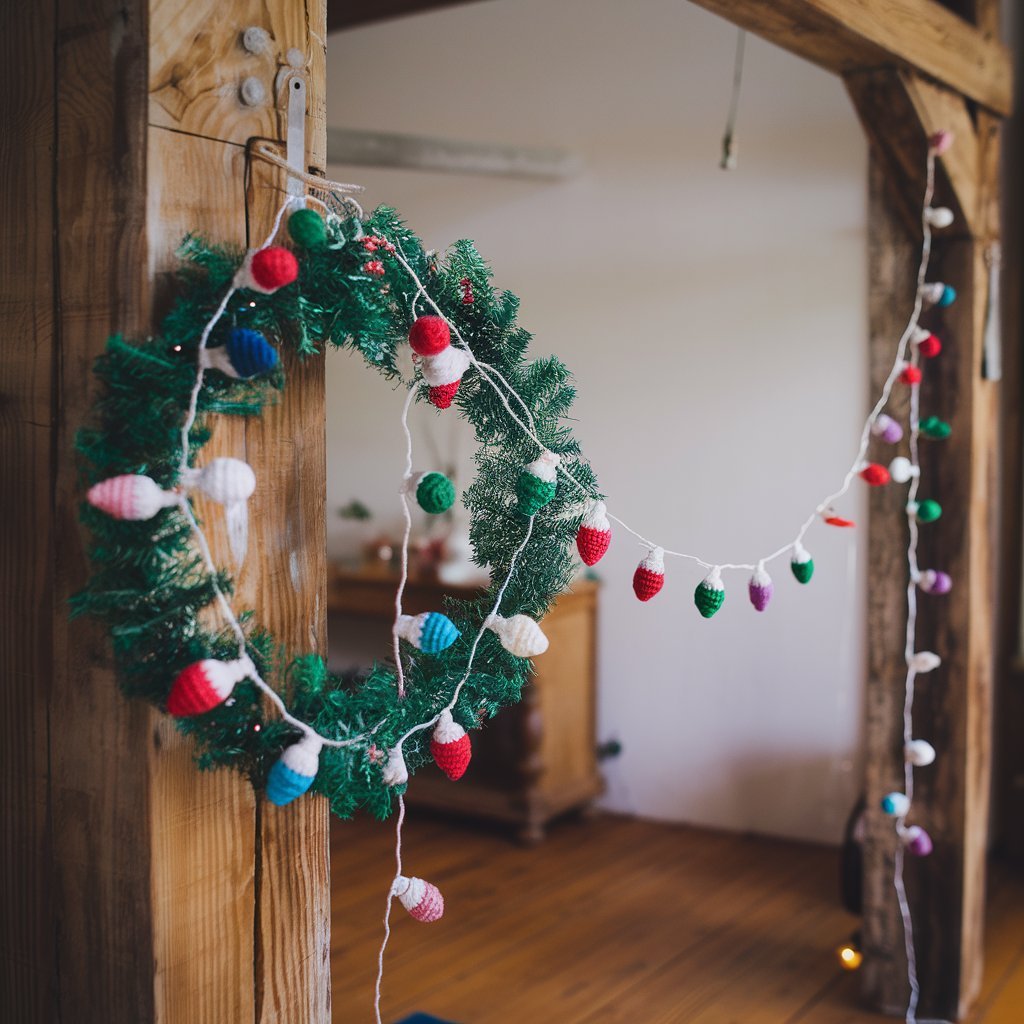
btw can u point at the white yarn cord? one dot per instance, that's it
(490, 375)
(200, 537)
(387, 909)
(395, 639)
(913, 573)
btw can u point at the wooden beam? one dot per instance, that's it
(953, 705)
(273, 965)
(914, 35)
(136, 888)
(899, 111)
(423, 153)
(27, 101)
(342, 14)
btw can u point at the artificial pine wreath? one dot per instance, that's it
(353, 288)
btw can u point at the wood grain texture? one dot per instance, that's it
(274, 966)
(26, 543)
(618, 920)
(100, 744)
(198, 64)
(858, 35)
(204, 836)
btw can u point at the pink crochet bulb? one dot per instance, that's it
(422, 899)
(917, 841)
(935, 581)
(887, 429)
(940, 142)
(131, 496)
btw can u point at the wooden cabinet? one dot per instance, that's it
(535, 760)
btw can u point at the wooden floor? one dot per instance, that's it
(613, 921)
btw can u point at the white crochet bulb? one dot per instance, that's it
(901, 469)
(925, 661)
(919, 753)
(395, 771)
(939, 216)
(447, 366)
(519, 635)
(229, 482)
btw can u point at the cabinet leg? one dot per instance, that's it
(531, 833)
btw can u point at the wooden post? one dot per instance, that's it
(134, 887)
(953, 704)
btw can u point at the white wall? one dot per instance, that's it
(715, 323)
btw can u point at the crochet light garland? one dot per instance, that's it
(243, 355)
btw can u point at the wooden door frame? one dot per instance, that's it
(138, 890)
(912, 67)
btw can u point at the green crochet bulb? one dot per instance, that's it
(803, 571)
(936, 429)
(435, 493)
(308, 229)
(928, 511)
(533, 493)
(709, 595)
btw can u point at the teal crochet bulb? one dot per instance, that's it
(293, 773)
(431, 632)
(435, 493)
(284, 785)
(308, 229)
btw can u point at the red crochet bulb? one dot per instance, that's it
(450, 747)
(593, 544)
(442, 395)
(875, 474)
(273, 268)
(204, 685)
(910, 375)
(649, 577)
(595, 534)
(929, 347)
(428, 336)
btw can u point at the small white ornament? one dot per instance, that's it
(229, 482)
(938, 216)
(395, 772)
(446, 367)
(919, 753)
(545, 466)
(901, 469)
(519, 635)
(925, 661)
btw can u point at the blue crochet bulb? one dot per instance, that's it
(948, 297)
(293, 773)
(431, 632)
(250, 353)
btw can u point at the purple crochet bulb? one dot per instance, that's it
(887, 429)
(760, 588)
(917, 841)
(934, 581)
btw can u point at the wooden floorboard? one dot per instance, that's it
(611, 921)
